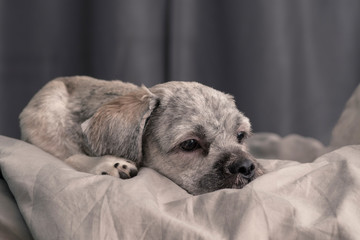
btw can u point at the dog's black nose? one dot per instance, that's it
(245, 167)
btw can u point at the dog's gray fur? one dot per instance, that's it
(73, 116)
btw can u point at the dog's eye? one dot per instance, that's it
(240, 136)
(190, 145)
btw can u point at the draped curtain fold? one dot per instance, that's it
(291, 65)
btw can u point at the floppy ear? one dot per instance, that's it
(117, 127)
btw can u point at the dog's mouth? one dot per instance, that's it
(219, 180)
(241, 181)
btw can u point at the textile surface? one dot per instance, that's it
(318, 200)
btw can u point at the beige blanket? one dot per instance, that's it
(318, 200)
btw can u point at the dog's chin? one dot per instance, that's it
(216, 181)
(240, 182)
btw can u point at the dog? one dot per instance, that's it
(186, 131)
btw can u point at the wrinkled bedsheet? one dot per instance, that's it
(318, 200)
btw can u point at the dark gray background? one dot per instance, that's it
(291, 65)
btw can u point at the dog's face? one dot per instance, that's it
(188, 132)
(195, 137)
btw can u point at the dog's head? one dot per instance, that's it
(189, 132)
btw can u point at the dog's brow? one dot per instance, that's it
(233, 121)
(200, 131)
(196, 131)
(244, 125)
(238, 122)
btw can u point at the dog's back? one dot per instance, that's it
(52, 119)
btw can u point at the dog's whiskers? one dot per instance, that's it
(240, 182)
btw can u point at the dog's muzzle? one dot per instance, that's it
(234, 171)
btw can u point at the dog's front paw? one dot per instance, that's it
(116, 167)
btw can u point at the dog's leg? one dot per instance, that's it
(105, 165)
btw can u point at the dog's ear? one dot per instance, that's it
(117, 127)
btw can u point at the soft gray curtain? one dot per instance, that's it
(291, 65)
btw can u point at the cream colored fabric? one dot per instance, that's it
(318, 200)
